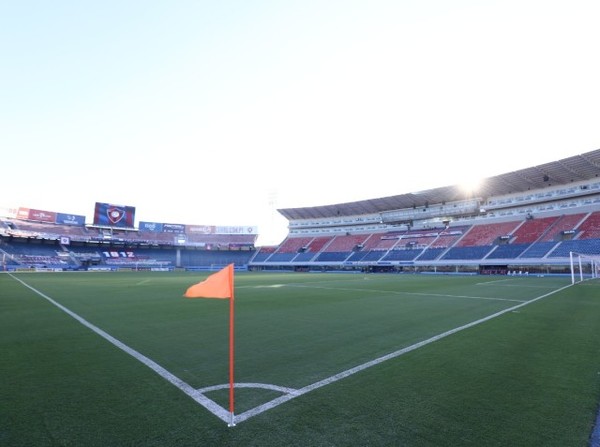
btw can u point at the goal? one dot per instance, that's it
(584, 266)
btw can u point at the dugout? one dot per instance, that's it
(498, 269)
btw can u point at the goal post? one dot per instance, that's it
(584, 266)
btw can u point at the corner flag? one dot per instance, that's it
(220, 285)
(217, 285)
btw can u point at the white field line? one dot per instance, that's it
(282, 399)
(492, 282)
(207, 403)
(223, 414)
(396, 292)
(502, 284)
(266, 386)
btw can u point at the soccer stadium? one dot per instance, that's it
(528, 221)
(443, 317)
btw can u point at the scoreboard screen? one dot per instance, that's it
(107, 214)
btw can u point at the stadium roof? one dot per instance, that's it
(568, 170)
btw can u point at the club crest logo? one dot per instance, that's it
(115, 215)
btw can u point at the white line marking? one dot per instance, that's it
(520, 286)
(266, 386)
(400, 292)
(492, 282)
(292, 393)
(207, 403)
(280, 400)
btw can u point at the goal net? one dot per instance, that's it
(584, 266)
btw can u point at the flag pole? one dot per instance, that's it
(231, 350)
(220, 285)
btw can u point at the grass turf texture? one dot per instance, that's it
(529, 377)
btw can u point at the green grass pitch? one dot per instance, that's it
(530, 376)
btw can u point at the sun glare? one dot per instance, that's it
(471, 185)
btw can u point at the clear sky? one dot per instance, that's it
(220, 112)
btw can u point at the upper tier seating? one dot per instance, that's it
(532, 229)
(486, 234)
(317, 244)
(566, 222)
(294, 244)
(381, 241)
(590, 228)
(346, 243)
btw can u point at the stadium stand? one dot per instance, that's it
(590, 227)
(294, 244)
(532, 229)
(565, 222)
(508, 251)
(486, 234)
(263, 253)
(538, 250)
(37, 255)
(532, 218)
(404, 254)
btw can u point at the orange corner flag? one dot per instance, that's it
(217, 285)
(220, 285)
